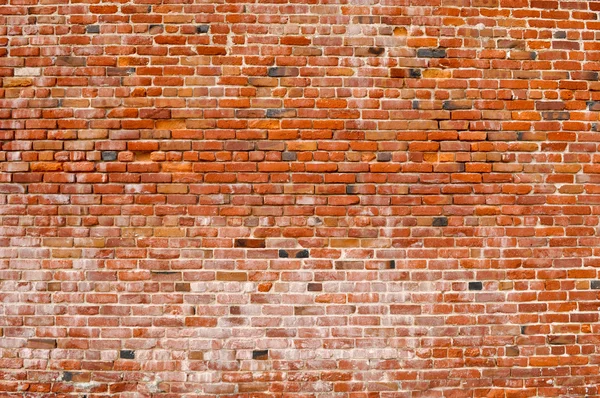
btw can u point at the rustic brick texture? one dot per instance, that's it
(386, 198)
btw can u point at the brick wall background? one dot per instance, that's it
(354, 198)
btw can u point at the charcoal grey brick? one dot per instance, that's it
(431, 53)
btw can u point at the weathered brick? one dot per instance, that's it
(440, 222)
(431, 53)
(309, 199)
(281, 113)
(282, 71)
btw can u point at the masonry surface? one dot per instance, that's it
(313, 198)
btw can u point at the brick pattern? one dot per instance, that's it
(393, 198)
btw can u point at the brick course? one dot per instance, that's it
(300, 199)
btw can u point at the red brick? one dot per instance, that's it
(292, 199)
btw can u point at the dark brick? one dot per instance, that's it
(127, 354)
(584, 75)
(519, 136)
(67, 376)
(289, 156)
(475, 286)
(315, 287)
(283, 254)
(556, 115)
(92, 29)
(561, 34)
(202, 28)
(303, 254)
(109, 156)
(415, 104)
(593, 105)
(112, 71)
(415, 73)
(533, 55)
(260, 355)
(512, 351)
(594, 126)
(440, 221)
(384, 157)
(397, 73)
(281, 113)
(182, 287)
(595, 284)
(351, 189)
(392, 264)
(283, 71)
(376, 50)
(250, 243)
(453, 105)
(431, 53)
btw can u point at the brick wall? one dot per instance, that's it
(354, 198)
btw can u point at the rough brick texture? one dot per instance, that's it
(386, 198)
